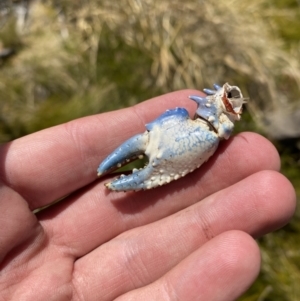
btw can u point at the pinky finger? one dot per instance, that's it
(221, 270)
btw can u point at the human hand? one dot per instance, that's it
(188, 240)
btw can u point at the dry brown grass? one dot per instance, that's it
(200, 42)
(188, 45)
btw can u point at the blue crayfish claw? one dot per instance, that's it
(174, 143)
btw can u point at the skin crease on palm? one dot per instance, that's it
(192, 239)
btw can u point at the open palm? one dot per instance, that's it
(188, 240)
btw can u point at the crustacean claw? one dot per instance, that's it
(130, 150)
(174, 143)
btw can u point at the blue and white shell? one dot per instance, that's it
(174, 143)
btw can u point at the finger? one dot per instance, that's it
(18, 224)
(216, 271)
(221, 270)
(50, 164)
(140, 256)
(101, 216)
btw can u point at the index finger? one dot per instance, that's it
(52, 163)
